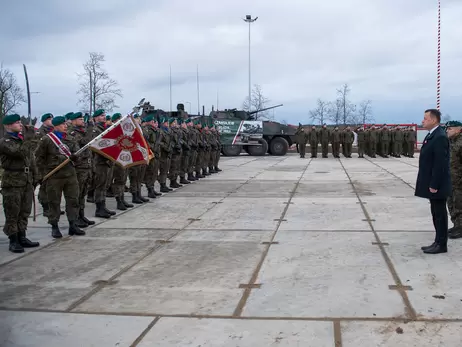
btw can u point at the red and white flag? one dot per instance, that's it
(123, 143)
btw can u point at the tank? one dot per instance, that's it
(239, 130)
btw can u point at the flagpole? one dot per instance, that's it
(170, 87)
(198, 99)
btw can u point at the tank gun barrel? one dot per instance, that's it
(264, 109)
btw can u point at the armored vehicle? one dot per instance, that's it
(241, 130)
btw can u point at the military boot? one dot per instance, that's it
(91, 196)
(101, 212)
(55, 232)
(156, 193)
(15, 246)
(174, 184)
(85, 219)
(456, 233)
(127, 205)
(205, 173)
(199, 175)
(191, 178)
(80, 223)
(120, 205)
(142, 198)
(217, 169)
(151, 193)
(164, 188)
(184, 181)
(75, 230)
(25, 242)
(136, 199)
(112, 213)
(212, 170)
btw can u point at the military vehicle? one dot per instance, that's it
(241, 130)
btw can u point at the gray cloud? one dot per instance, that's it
(301, 50)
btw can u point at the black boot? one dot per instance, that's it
(75, 230)
(55, 232)
(100, 211)
(91, 196)
(217, 169)
(164, 188)
(25, 242)
(151, 193)
(199, 175)
(212, 170)
(205, 173)
(141, 197)
(136, 199)
(80, 223)
(112, 213)
(191, 178)
(184, 181)
(456, 233)
(46, 209)
(85, 219)
(15, 246)
(120, 205)
(127, 205)
(157, 193)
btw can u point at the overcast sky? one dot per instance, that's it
(301, 50)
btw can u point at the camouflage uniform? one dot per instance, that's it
(410, 139)
(372, 142)
(302, 139)
(217, 153)
(152, 136)
(348, 139)
(324, 139)
(361, 142)
(313, 137)
(213, 150)
(455, 201)
(165, 145)
(384, 142)
(186, 154)
(64, 181)
(335, 140)
(83, 167)
(175, 161)
(207, 149)
(18, 180)
(193, 140)
(42, 195)
(398, 142)
(103, 170)
(200, 151)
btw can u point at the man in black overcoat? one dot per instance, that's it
(433, 179)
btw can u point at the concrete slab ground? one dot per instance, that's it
(273, 251)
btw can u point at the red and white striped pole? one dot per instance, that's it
(438, 77)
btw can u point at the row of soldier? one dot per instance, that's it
(184, 149)
(385, 141)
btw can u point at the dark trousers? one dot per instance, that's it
(440, 220)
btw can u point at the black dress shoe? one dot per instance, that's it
(437, 249)
(423, 248)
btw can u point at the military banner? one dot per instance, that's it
(237, 132)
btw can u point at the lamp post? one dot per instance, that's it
(248, 19)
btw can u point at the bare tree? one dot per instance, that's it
(96, 89)
(347, 107)
(334, 113)
(364, 115)
(258, 102)
(11, 95)
(320, 113)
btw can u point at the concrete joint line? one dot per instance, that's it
(105, 282)
(145, 332)
(399, 287)
(250, 286)
(270, 243)
(163, 241)
(368, 220)
(381, 243)
(194, 219)
(280, 220)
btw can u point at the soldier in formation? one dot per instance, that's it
(302, 139)
(28, 157)
(454, 131)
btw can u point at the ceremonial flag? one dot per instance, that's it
(123, 143)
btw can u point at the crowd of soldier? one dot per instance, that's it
(384, 141)
(182, 148)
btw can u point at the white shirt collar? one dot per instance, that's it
(431, 131)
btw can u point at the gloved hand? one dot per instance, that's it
(73, 157)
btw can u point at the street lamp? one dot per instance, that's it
(248, 19)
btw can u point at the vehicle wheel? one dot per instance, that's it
(258, 150)
(279, 146)
(231, 150)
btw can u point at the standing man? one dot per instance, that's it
(348, 138)
(165, 144)
(361, 141)
(384, 141)
(372, 142)
(433, 179)
(324, 135)
(454, 131)
(186, 148)
(79, 134)
(411, 138)
(52, 151)
(193, 138)
(152, 137)
(336, 137)
(18, 182)
(399, 138)
(302, 139)
(314, 140)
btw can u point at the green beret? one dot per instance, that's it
(149, 118)
(453, 123)
(116, 117)
(163, 119)
(171, 120)
(136, 115)
(99, 112)
(58, 120)
(108, 117)
(76, 116)
(11, 119)
(68, 116)
(46, 116)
